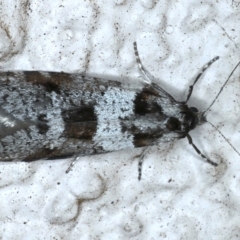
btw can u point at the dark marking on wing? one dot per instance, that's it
(81, 130)
(145, 139)
(81, 114)
(44, 153)
(52, 81)
(145, 102)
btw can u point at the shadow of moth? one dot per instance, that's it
(53, 115)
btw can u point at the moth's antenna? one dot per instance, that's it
(224, 137)
(204, 112)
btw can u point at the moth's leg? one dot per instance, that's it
(205, 67)
(140, 162)
(148, 78)
(72, 164)
(199, 152)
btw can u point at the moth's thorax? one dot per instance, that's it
(183, 121)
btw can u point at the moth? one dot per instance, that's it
(54, 115)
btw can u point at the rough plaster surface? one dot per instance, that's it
(179, 196)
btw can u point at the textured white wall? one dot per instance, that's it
(179, 196)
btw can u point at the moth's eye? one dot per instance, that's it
(193, 109)
(190, 120)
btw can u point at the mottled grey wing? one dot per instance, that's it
(46, 115)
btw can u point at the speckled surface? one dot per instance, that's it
(179, 196)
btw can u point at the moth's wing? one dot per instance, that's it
(46, 115)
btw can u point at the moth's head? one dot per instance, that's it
(199, 117)
(189, 118)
